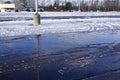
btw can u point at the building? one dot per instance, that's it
(7, 7)
(10, 6)
(16, 5)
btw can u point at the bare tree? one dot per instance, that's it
(94, 5)
(56, 3)
(43, 3)
(21, 2)
(111, 5)
(83, 5)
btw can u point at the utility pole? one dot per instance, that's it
(79, 2)
(36, 15)
(36, 6)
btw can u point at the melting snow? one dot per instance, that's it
(90, 21)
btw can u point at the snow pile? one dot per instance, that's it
(47, 14)
(88, 24)
(15, 30)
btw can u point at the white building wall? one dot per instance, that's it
(4, 7)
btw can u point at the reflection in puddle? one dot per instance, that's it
(59, 56)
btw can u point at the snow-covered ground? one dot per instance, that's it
(21, 23)
(93, 54)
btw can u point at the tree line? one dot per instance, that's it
(106, 5)
(82, 5)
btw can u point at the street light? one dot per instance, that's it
(36, 15)
(36, 6)
(79, 2)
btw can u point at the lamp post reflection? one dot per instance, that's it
(38, 44)
(38, 53)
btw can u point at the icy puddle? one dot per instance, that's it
(68, 56)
